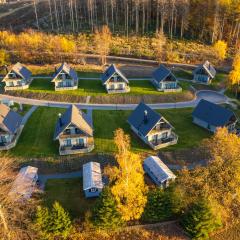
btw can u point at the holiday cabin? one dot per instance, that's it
(151, 127)
(18, 78)
(74, 131)
(114, 81)
(65, 78)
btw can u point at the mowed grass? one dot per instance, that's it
(37, 137)
(69, 193)
(95, 88)
(106, 122)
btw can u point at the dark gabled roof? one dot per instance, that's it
(212, 113)
(20, 70)
(162, 73)
(137, 119)
(209, 69)
(110, 72)
(74, 115)
(68, 70)
(10, 121)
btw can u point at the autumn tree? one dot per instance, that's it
(158, 44)
(219, 181)
(127, 179)
(220, 48)
(105, 214)
(234, 76)
(102, 41)
(4, 57)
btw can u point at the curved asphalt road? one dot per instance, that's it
(209, 95)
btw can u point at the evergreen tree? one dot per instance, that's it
(200, 220)
(105, 214)
(161, 205)
(54, 223)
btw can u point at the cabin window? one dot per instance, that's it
(81, 141)
(93, 190)
(164, 135)
(67, 142)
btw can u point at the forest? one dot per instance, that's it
(205, 21)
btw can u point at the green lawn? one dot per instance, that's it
(37, 137)
(94, 88)
(105, 122)
(182, 73)
(69, 193)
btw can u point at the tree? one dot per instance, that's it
(234, 76)
(201, 220)
(102, 41)
(158, 43)
(105, 214)
(54, 223)
(161, 204)
(220, 48)
(4, 57)
(127, 180)
(219, 181)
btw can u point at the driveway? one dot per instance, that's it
(209, 95)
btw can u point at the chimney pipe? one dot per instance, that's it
(60, 119)
(145, 116)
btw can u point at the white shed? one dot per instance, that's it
(92, 179)
(24, 183)
(158, 171)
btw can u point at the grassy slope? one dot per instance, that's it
(37, 137)
(68, 192)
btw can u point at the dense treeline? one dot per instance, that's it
(206, 21)
(39, 47)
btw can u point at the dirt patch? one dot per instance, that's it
(195, 156)
(64, 164)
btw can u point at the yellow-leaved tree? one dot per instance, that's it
(219, 181)
(234, 76)
(102, 41)
(158, 42)
(127, 179)
(220, 48)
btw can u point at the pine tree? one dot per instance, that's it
(200, 220)
(60, 221)
(42, 221)
(161, 204)
(105, 214)
(54, 223)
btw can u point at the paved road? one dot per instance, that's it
(212, 96)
